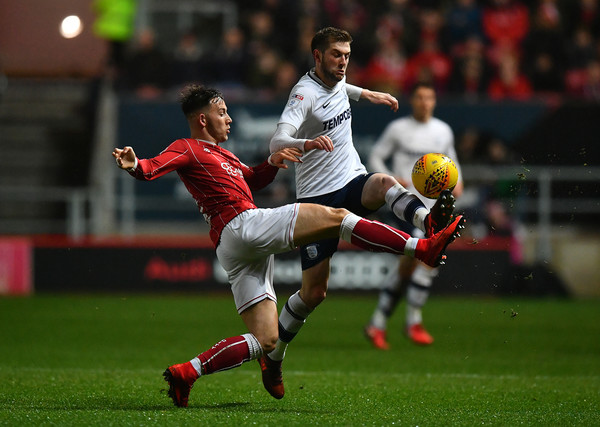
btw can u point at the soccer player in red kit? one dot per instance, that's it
(246, 237)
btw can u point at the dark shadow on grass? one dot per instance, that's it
(221, 406)
(255, 408)
(108, 405)
(103, 404)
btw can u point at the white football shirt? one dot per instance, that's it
(315, 109)
(404, 140)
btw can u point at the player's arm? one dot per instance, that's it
(172, 158)
(355, 92)
(262, 175)
(284, 137)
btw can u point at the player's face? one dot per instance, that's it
(331, 65)
(423, 103)
(218, 122)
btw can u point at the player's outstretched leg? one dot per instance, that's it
(440, 214)
(272, 377)
(377, 237)
(431, 250)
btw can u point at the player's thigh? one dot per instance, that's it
(317, 222)
(246, 249)
(252, 282)
(256, 233)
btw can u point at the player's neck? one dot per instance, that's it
(422, 119)
(319, 75)
(204, 137)
(205, 141)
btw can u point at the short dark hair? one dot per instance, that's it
(194, 98)
(419, 85)
(328, 35)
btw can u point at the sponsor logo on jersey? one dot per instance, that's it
(207, 150)
(337, 120)
(233, 171)
(295, 99)
(326, 105)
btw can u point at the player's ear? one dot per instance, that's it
(201, 119)
(317, 55)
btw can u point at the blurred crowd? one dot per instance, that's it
(498, 49)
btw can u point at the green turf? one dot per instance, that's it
(97, 360)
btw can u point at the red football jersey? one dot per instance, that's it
(214, 176)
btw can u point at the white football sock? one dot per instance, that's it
(406, 206)
(291, 319)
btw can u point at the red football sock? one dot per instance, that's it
(226, 354)
(375, 236)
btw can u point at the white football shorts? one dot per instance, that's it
(246, 250)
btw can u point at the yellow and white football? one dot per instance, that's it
(432, 173)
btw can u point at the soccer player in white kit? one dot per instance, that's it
(317, 120)
(246, 237)
(404, 140)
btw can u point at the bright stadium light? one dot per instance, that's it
(71, 27)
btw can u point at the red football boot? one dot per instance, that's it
(377, 337)
(440, 214)
(431, 250)
(271, 376)
(417, 334)
(181, 379)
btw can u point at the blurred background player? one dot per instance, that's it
(318, 120)
(403, 141)
(246, 237)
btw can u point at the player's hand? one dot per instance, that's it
(124, 157)
(322, 142)
(292, 154)
(380, 98)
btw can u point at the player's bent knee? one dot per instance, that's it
(268, 343)
(386, 182)
(338, 213)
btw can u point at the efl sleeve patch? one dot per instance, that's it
(295, 99)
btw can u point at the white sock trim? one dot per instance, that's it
(254, 347)
(419, 218)
(410, 247)
(197, 365)
(347, 226)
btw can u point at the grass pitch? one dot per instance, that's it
(98, 360)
